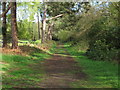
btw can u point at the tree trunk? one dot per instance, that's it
(5, 12)
(14, 26)
(38, 27)
(44, 25)
(33, 32)
(4, 27)
(49, 32)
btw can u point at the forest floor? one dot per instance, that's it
(61, 70)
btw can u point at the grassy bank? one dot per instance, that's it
(22, 71)
(100, 74)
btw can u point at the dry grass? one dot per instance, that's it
(25, 50)
(11, 51)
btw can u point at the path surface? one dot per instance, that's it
(61, 70)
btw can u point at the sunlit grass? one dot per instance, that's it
(27, 71)
(23, 71)
(100, 74)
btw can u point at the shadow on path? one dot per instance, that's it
(61, 70)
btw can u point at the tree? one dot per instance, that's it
(49, 32)
(14, 26)
(44, 23)
(38, 26)
(5, 12)
(4, 29)
(104, 35)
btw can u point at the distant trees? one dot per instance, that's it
(95, 27)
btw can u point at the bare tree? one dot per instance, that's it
(44, 24)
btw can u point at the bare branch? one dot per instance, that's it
(9, 6)
(54, 17)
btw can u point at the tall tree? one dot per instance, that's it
(4, 29)
(38, 26)
(44, 23)
(14, 26)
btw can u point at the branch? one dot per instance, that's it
(9, 6)
(116, 6)
(54, 17)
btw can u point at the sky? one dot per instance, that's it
(24, 13)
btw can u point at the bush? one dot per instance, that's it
(65, 35)
(37, 42)
(104, 43)
(101, 51)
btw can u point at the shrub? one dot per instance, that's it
(65, 35)
(104, 43)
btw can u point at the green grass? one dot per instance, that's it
(27, 71)
(100, 74)
(23, 71)
(53, 49)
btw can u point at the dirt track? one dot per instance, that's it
(61, 71)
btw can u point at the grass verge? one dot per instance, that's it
(23, 71)
(101, 74)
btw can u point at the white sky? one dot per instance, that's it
(21, 14)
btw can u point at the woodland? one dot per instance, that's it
(59, 44)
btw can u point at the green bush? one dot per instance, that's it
(37, 41)
(101, 51)
(104, 42)
(64, 35)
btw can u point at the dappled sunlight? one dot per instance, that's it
(23, 70)
(59, 44)
(62, 55)
(39, 69)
